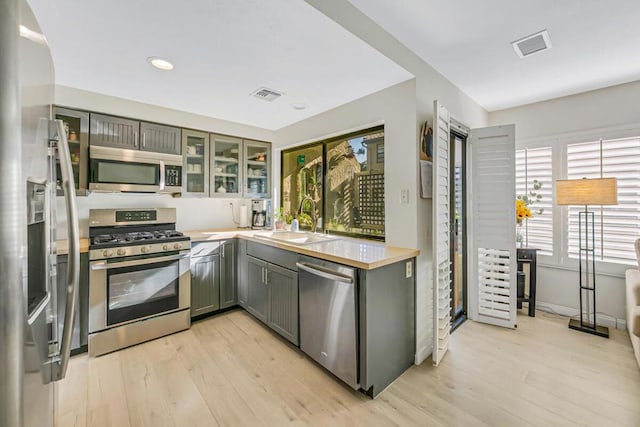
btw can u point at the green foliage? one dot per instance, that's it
(533, 196)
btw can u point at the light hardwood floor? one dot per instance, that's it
(231, 370)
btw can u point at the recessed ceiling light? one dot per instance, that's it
(160, 64)
(299, 106)
(34, 36)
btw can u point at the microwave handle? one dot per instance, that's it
(73, 266)
(162, 176)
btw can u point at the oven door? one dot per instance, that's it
(124, 291)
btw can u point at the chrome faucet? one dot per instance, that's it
(314, 217)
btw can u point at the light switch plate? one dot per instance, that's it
(404, 196)
(408, 269)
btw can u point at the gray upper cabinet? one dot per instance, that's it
(195, 166)
(257, 169)
(283, 302)
(116, 132)
(228, 269)
(257, 298)
(205, 284)
(160, 138)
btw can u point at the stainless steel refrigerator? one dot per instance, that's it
(33, 353)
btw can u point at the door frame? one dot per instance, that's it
(459, 132)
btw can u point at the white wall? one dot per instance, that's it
(192, 213)
(602, 109)
(429, 85)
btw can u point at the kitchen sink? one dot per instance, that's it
(296, 237)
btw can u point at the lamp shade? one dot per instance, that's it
(582, 192)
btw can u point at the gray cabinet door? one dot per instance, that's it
(205, 284)
(117, 132)
(80, 335)
(283, 302)
(242, 291)
(160, 138)
(228, 282)
(258, 295)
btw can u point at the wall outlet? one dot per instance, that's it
(404, 196)
(408, 269)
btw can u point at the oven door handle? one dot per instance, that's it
(103, 265)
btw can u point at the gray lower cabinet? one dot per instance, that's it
(257, 291)
(205, 284)
(272, 296)
(80, 335)
(228, 274)
(283, 302)
(116, 132)
(160, 138)
(241, 289)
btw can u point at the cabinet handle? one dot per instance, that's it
(262, 268)
(266, 276)
(135, 138)
(223, 251)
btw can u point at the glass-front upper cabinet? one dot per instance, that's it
(195, 170)
(76, 127)
(226, 173)
(257, 168)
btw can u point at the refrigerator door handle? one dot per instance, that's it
(73, 266)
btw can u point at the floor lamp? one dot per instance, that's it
(585, 192)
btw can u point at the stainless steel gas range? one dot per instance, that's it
(139, 280)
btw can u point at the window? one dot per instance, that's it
(344, 178)
(535, 166)
(618, 226)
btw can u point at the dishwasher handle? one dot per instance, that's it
(324, 272)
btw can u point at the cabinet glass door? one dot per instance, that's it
(226, 174)
(195, 152)
(76, 126)
(257, 168)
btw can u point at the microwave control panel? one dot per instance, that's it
(173, 176)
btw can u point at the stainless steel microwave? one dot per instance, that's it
(122, 170)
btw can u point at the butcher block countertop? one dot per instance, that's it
(359, 253)
(62, 246)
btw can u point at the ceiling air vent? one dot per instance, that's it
(531, 44)
(266, 94)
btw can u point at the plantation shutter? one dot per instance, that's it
(492, 245)
(535, 164)
(441, 236)
(616, 226)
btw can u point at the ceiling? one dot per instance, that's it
(222, 50)
(595, 44)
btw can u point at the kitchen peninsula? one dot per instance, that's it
(272, 275)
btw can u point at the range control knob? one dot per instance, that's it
(121, 252)
(177, 246)
(165, 247)
(107, 253)
(145, 249)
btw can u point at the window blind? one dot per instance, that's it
(617, 226)
(531, 165)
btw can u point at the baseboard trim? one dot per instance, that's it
(603, 319)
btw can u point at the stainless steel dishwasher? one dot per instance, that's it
(328, 322)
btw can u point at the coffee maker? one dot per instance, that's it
(261, 214)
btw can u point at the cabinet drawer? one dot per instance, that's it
(273, 255)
